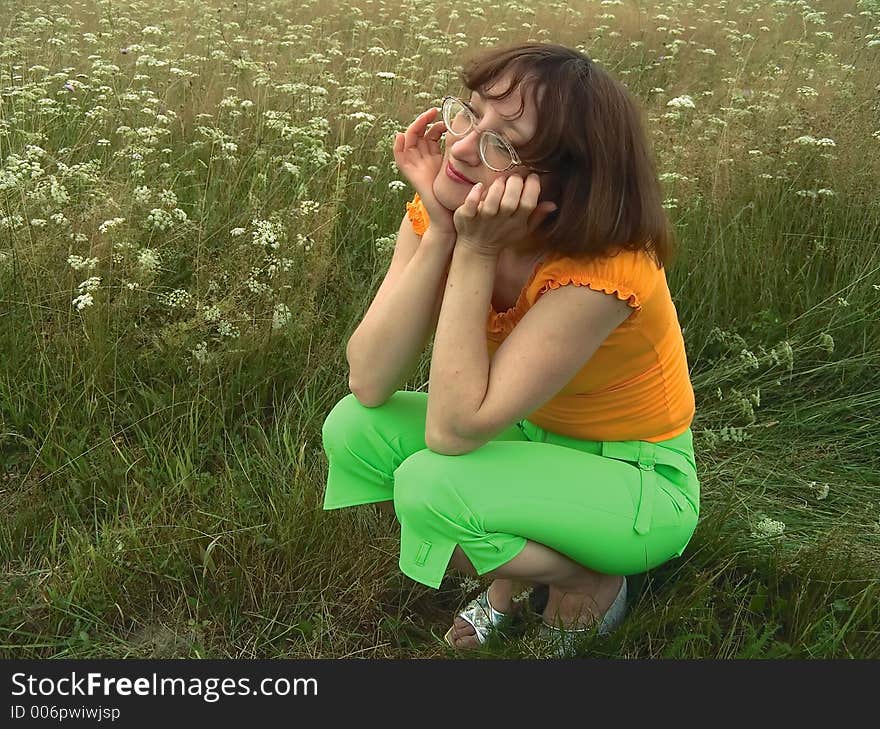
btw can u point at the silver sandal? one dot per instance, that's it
(483, 617)
(563, 642)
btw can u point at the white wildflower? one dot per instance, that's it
(783, 354)
(469, 583)
(267, 233)
(680, 102)
(307, 207)
(141, 194)
(522, 596)
(235, 232)
(90, 284)
(211, 313)
(149, 260)
(280, 315)
(749, 358)
(108, 224)
(168, 199)
(200, 353)
(396, 185)
(176, 299)
(227, 330)
(78, 262)
(159, 219)
(82, 301)
(768, 527)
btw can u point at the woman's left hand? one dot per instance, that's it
(508, 212)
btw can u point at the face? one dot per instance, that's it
(463, 153)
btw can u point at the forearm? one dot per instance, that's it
(460, 360)
(386, 346)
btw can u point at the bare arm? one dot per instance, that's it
(386, 347)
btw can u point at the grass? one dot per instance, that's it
(162, 476)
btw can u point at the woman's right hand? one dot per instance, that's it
(418, 155)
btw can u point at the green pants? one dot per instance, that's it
(617, 507)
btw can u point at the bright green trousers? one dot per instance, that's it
(617, 507)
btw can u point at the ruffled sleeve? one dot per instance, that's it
(629, 275)
(417, 214)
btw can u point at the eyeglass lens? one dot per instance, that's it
(493, 150)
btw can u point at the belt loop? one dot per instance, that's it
(648, 487)
(533, 431)
(647, 455)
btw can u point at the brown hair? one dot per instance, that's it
(590, 134)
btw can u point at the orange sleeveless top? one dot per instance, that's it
(637, 384)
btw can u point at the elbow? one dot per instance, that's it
(364, 397)
(445, 444)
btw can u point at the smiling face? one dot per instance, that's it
(463, 153)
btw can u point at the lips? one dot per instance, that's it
(457, 173)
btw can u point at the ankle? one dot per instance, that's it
(581, 607)
(502, 593)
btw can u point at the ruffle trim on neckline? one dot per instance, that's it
(501, 323)
(418, 215)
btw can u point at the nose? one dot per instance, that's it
(467, 148)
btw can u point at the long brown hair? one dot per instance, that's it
(591, 135)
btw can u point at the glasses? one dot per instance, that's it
(495, 151)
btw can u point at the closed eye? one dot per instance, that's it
(479, 116)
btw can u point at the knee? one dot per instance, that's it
(341, 419)
(419, 486)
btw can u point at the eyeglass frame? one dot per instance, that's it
(515, 159)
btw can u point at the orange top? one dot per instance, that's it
(636, 386)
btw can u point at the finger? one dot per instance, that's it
(510, 200)
(472, 201)
(493, 197)
(530, 192)
(436, 131)
(417, 128)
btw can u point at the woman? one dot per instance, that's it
(553, 445)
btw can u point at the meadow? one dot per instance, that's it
(198, 201)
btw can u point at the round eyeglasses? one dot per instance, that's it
(497, 154)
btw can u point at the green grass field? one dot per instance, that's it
(198, 201)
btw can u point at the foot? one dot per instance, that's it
(501, 600)
(580, 610)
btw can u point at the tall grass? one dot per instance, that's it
(160, 454)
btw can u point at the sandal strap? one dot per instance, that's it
(480, 614)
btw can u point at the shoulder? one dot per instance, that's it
(629, 276)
